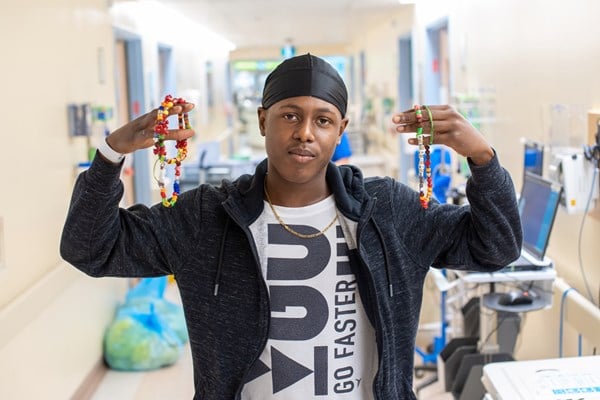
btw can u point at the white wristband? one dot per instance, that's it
(109, 153)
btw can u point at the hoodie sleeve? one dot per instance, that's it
(484, 235)
(101, 239)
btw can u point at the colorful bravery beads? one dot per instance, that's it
(424, 166)
(161, 131)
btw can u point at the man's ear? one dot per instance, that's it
(343, 127)
(262, 116)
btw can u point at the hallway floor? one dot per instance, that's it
(176, 383)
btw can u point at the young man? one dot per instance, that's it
(303, 280)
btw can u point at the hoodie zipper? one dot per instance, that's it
(373, 298)
(264, 289)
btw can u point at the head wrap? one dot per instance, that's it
(305, 75)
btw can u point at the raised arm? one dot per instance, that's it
(101, 239)
(484, 235)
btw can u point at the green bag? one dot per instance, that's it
(148, 332)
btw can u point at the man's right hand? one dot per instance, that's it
(139, 133)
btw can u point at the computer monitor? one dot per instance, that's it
(538, 205)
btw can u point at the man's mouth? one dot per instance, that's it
(301, 153)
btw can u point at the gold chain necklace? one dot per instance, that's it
(290, 230)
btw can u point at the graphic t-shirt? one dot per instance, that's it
(321, 344)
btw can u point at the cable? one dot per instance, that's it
(587, 207)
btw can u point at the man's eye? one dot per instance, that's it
(290, 117)
(324, 121)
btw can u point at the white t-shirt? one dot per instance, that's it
(321, 343)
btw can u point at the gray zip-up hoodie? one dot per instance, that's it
(206, 243)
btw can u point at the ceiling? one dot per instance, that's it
(258, 23)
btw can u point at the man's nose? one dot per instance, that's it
(305, 131)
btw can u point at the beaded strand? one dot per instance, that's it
(161, 130)
(431, 130)
(424, 165)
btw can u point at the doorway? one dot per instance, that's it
(130, 105)
(437, 64)
(405, 73)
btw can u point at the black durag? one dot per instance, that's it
(305, 75)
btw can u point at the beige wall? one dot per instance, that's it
(49, 61)
(52, 317)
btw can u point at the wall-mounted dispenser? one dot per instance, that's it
(574, 172)
(79, 119)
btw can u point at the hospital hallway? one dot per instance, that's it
(441, 181)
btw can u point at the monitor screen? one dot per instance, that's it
(538, 205)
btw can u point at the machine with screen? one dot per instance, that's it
(538, 205)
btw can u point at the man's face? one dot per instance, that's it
(300, 136)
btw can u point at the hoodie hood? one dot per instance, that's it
(346, 184)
